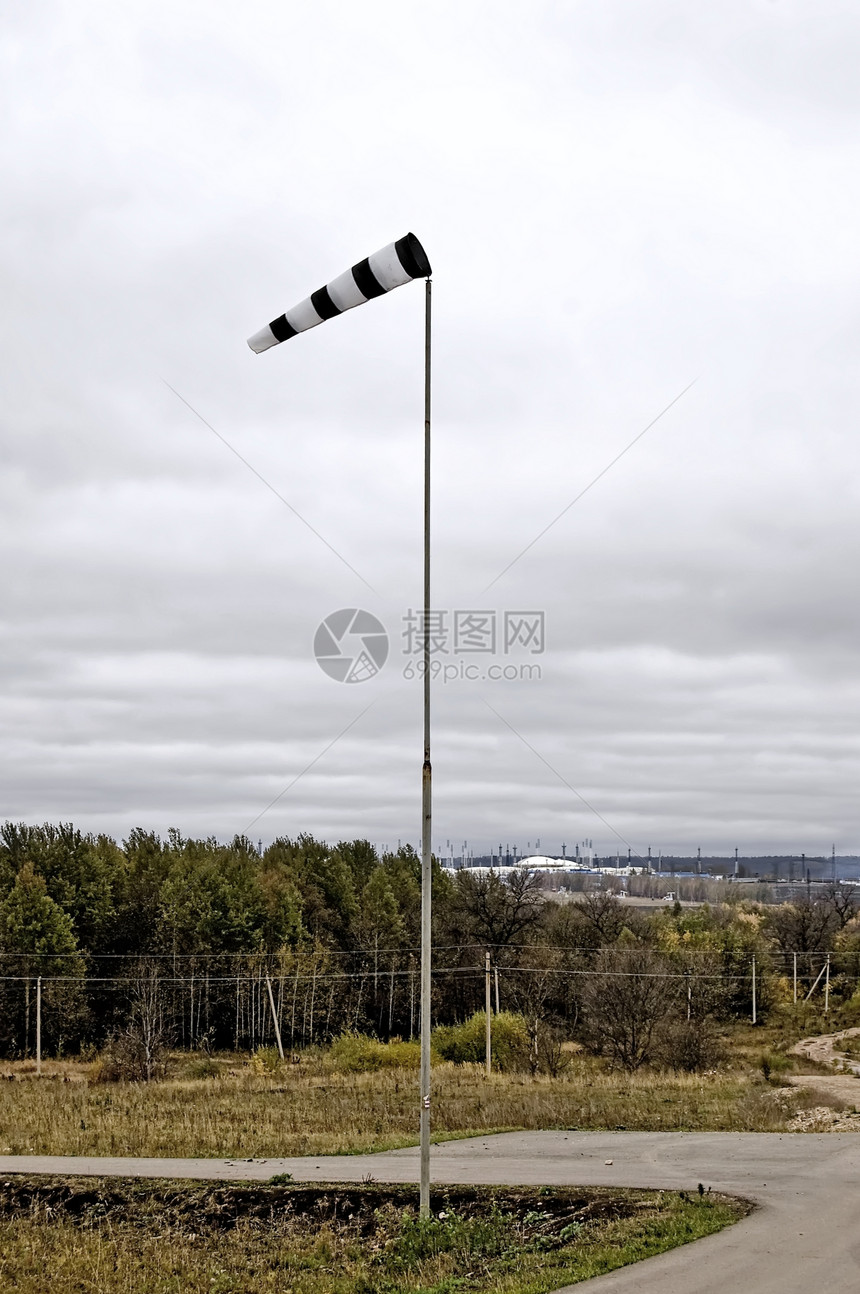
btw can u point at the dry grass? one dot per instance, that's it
(301, 1110)
(108, 1238)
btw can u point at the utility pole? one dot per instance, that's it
(487, 1013)
(753, 992)
(275, 1019)
(39, 1025)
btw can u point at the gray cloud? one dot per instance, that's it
(616, 200)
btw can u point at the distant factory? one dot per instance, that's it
(790, 869)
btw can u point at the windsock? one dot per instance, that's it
(394, 265)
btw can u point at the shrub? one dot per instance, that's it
(421, 1239)
(691, 1045)
(358, 1053)
(127, 1059)
(266, 1060)
(466, 1043)
(774, 1063)
(103, 1070)
(549, 1054)
(202, 1067)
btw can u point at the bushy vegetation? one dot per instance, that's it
(466, 1043)
(358, 1053)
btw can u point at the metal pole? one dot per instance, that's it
(794, 977)
(488, 1041)
(426, 802)
(827, 987)
(753, 991)
(817, 981)
(275, 1019)
(39, 1025)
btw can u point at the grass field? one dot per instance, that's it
(97, 1237)
(299, 1110)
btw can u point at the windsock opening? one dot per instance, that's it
(413, 257)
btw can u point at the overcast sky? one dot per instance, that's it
(618, 199)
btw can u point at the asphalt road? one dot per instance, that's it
(804, 1238)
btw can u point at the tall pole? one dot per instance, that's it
(488, 1015)
(275, 1019)
(39, 1025)
(426, 802)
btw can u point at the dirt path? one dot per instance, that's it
(841, 1089)
(825, 1050)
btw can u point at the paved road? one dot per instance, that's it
(803, 1239)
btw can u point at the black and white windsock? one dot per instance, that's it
(394, 265)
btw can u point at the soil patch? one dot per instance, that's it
(178, 1208)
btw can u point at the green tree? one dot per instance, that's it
(82, 873)
(324, 882)
(38, 939)
(361, 859)
(35, 928)
(139, 907)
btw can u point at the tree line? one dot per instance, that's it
(231, 946)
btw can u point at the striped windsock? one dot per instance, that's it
(396, 264)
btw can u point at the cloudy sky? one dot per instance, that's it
(619, 199)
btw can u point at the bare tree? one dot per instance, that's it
(843, 901)
(137, 1051)
(806, 926)
(626, 1003)
(496, 912)
(540, 994)
(602, 916)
